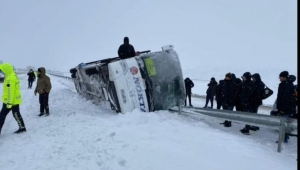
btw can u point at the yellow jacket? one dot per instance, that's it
(11, 86)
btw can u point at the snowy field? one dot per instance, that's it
(79, 135)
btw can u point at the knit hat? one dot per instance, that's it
(284, 74)
(213, 79)
(228, 75)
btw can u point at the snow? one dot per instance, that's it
(80, 135)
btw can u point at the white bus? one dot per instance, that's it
(148, 82)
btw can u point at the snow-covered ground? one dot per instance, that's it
(79, 135)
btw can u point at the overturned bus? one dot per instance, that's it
(149, 81)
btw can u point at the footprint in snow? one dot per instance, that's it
(125, 145)
(122, 162)
(112, 134)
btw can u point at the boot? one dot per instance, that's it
(245, 130)
(226, 123)
(20, 130)
(254, 128)
(41, 114)
(286, 137)
(47, 112)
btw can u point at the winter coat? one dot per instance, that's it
(126, 50)
(258, 91)
(238, 83)
(43, 84)
(11, 86)
(228, 92)
(211, 90)
(247, 92)
(188, 85)
(285, 98)
(292, 79)
(219, 90)
(296, 94)
(31, 76)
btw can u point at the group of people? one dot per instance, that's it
(246, 95)
(12, 99)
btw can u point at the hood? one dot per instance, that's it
(42, 70)
(6, 68)
(228, 75)
(256, 76)
(233, 76)
(126, 40)
(292, 78)
(247, 75)
(238, 81)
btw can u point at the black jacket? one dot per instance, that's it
(126, 50)
(31, 76)
(247, 92)
(219, 90)
(285, 98)
(188, 85)
(211, 90)
(238, 82)
(258, 91)
(228, 92)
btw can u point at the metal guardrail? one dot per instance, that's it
(61, 76)
(280, 123)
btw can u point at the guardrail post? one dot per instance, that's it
(281, 134)
(179, 106)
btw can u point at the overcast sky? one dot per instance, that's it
(59, 34)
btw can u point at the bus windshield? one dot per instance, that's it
(164, 73)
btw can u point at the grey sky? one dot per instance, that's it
(59, 34)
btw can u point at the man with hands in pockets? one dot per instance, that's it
(43, 88)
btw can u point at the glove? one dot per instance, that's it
(8, 106)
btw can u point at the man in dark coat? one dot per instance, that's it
(228, 95)
(31, 78)
(247, 94)
(237, 100)
(291, 80)
(211, 92)
(188, 89)
(286, 104)
(228, 92)
(259, 90)
(126, 50)
(219, 97)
